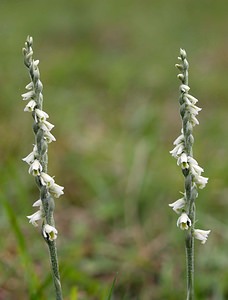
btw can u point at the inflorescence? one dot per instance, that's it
(185, 206)
(38, 158)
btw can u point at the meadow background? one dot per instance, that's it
(111, 90)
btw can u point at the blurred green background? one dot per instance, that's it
(111, 90)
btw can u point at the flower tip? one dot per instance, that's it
(183, 53)
(201, 235)
(184, 222)
(50, 232)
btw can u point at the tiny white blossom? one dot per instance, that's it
(183, 53)
(46, 126)
(35, 217)
(177, 150)
(196, 171)
(35, 63)
(50, 232)
(184, 88)
(183, 161)
(179, 139)
(201, 181)
(31, 157)
(193, 109)
(192, 99)
(194, 121)
(29, 86)
(38, 203)
(30, 106)
(178, 205)
(46, 179)
(201, 235)
(184, 222)
(28, 95)
(195, 168)
(42, 115)
(35, 168)
(49, 137)
(56, 190)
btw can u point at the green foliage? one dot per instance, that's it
(110, 89)
(112, 288)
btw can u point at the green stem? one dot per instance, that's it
(55, 269)
(189, 246)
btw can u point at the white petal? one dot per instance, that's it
(192, 99)
(46, 179)
(184, 222)
(177, 150)
(35, 217)
(194, 121)
(178, 205)
(201, 181)
(37, 203)
(28, 95)
(35, 168)
(179, 140)
(49, 137)
(30, 106)
(56, 190)
(46, 126)
(42, 115)
(29, 158)
(50, 232)
(183, 160)
(36, 62)
(184, 88)
(201, 235)
(29, 86)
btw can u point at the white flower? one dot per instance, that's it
(49, 137)
(35, 217)
(194, 121)
(35, 63)
(192, 99)
(184, 88)
(184, 222)
(46, 179)
(183, 53)
(31, 157)
(178, 205)
(179, 146)
(201, 235)
(196, 171)
(42, 115)
(50, 232)
(38, 203)
(56, 190)
(46, 126)
(30, 106)
(194, 167)
(183, 161)
(193, 109)
(179, 140)
(29, 86)
(28, 95)
(177, 150)
(35, 168)
(201, 181)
